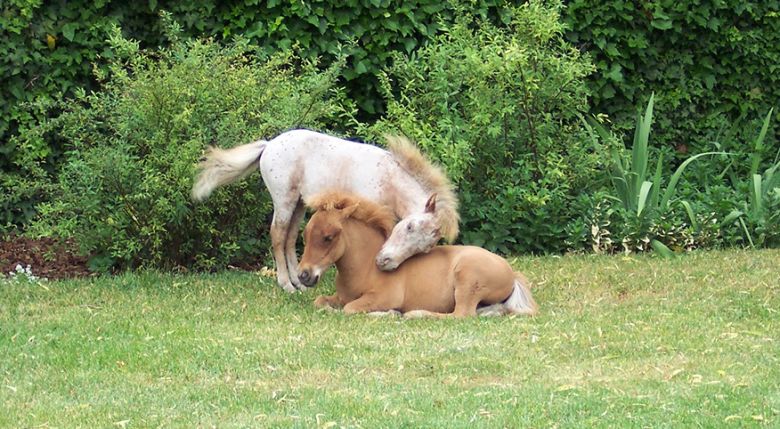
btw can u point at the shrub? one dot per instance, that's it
(497, 105)
(708, 62)
(123, 192)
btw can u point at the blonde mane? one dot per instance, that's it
(373, 214)
(432, 177)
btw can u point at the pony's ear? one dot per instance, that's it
(347, 211)
(430, 206)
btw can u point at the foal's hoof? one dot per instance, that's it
(384, 313)
(417, 314)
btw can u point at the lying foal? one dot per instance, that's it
(449, 280)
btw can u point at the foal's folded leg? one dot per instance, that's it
(328, 301)
(367, 303)
(422, 314)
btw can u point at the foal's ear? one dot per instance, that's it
(430, 206)
(347, 211)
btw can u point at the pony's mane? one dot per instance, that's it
(432, 177)
(373, 214)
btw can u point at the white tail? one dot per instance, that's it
(224, 166)
(519, 302)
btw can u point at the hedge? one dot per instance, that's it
(711, 64)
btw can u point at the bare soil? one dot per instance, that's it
(48, 258)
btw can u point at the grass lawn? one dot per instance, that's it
(620, 342)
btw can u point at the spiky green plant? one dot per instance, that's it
(757, 213)
(633, 188)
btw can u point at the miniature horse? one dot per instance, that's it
(447, 281)
(300, 163)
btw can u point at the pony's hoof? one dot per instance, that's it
(304, 288)
(288, 287)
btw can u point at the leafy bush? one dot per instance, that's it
(708, 62)
(48, 50)
(498, 106)
(123, 192)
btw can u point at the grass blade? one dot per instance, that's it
(756, 195)
(655, 192)
(759, 143)
(620, 181)
(639, 150)
(731, 217)
(646, 186)
(691, 216)
(747, 233)
(661, 249)
(770, 178)
(676, 177)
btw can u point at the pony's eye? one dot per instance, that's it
(408, 226)
(327, 238)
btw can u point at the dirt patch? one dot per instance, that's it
(46, 257)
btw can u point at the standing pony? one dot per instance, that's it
(300, 163)
(447, 281)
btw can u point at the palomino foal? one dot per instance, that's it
(447, 281)
(299, 164)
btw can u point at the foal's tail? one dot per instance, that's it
(223, 166)
(519, 302)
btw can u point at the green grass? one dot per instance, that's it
(620, 341)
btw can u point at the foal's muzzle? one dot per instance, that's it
(307, 278)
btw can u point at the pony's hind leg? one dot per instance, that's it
(291, 256)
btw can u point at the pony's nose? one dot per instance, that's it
(382, 261)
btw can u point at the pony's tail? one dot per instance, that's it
(519, 302)
(223, 166)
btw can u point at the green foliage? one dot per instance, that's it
(123, 191)
(629, 178)
(497, 105)
(645, 217)
(758, 215)
(48, 50)
(708, 62)
(491, 105)
(606, 226)
(368, 31)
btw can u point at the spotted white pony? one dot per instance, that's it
(300, 163)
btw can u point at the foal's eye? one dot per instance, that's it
(408, 226)
(327, 238)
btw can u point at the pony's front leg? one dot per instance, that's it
(289, 245)
(279, 228)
